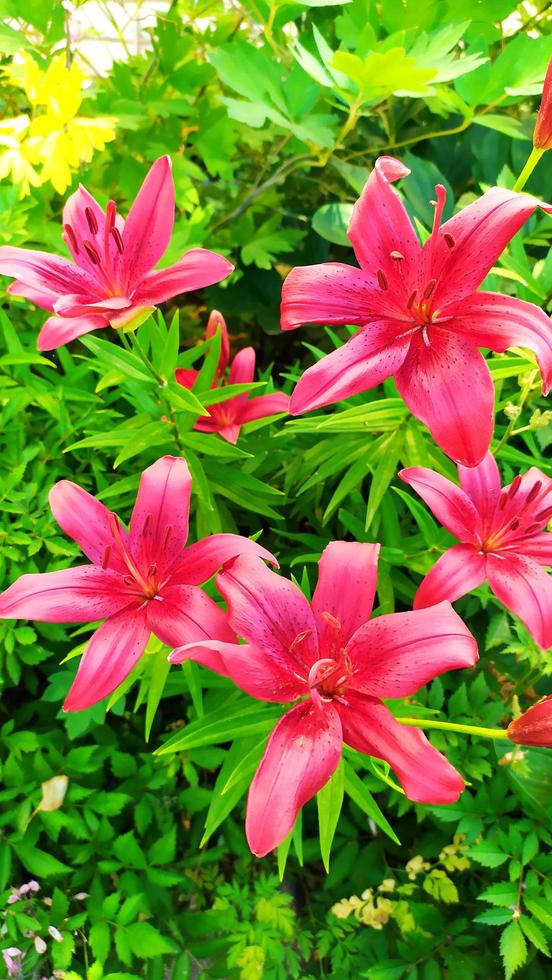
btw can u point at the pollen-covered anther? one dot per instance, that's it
(514, 487)
(533, 491)
(449, 239)
(118, 240)
(299, 639)
(331, 620)
(72, 238)
(382, 279)
(91, 221)
(110, 216)
(428, 291)
(397, 256)
(91, 252)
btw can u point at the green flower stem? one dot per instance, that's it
(532, 161)
(448, 726)
(525, 392)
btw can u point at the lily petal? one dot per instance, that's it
(526, 590)
(40, 270)
(480, 233)
(302, 753)
(451, 506)
(150, 221)
(482, 485)
(242, 368)
(499, 322)
(159, 522)
(249, 667)
(380, 226)
(456, 573)
(425, 775)
(346, 569)
(74, 595)
(111, 653)
(329, 293)
(539, 547)
(59, 330)
(394, 655)
(74, 304)
(197, 269)
(269, 612)
(203, 558)
(263, 406)
(184, 614)
(369, 357)
(448, 386)
(87, 521)
(43, 297)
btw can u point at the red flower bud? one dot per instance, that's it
(542, 136)
(534, 726)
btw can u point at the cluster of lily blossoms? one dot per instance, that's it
(421, 319)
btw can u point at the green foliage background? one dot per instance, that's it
(273, 114)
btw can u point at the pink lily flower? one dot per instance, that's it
(503, 540)
(111, 280)
(420, 316)
(142, 581)
(227, 417)
(343, 665)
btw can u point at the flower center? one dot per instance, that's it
(328, 679)
(98, 249)
(148, 585)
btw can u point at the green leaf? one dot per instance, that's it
(222, 725)
(129, 852)
(513, 949)
(503, 124)
(147, 942)
(99, 938)
(494, 917)
(355, 788)
(487, 854)
(158, 673)
(504, 893)
(534, 934)
(163, 851)
(541, 909)
(331, 222)
(389, 453)
(330, 801)
(40, 863)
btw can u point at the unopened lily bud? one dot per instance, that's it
(217, 322)
(542, 136)
(534, 726)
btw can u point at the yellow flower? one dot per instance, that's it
(56, 138)
(16, 155)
